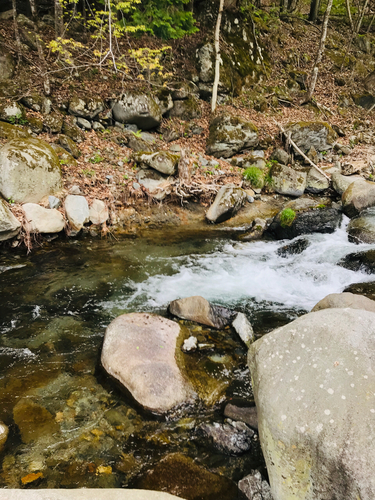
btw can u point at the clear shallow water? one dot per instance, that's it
(55, 305)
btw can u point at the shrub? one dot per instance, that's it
(287, 217)
(255, 176)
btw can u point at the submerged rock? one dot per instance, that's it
(29, 170)
(306, 400)
(139, 351)
(198, 309)
(357, 197)
(243, 414)
(34, 421)
(343, 300)
(42, 220)
(9, 225)
(180, 475)
(229, 135)
(228, 201)
(361, 229)
(232, 438)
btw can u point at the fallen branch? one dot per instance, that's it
(289, 139)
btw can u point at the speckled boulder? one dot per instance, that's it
(287, 181)
(314, 390)
(229, 135)
(306, 135)
(162, 161)
(140, 109)
(358, 196)
(29, 170)
(87, 108)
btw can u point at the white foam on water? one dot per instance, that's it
(253, 270)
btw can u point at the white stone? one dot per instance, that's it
(244, 329)
(77, 211)
(190, 344)
(42, 220)
(4, 431)
(98, 212)
(9, 225)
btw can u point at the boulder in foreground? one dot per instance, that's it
(343, 300)
(139, 351)
(314, 390)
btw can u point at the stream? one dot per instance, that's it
(74, 427)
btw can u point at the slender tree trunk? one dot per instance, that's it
(319, 57)
(347, 4)
(59, 19)
(314, 10)
(217, 57)
(16, 31)
(43, 63)
(371, 22)
(360, 19)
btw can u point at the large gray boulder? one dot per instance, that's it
(140, 109)
(87, 108)
(228, 201)
(341, 182)
(314, 390)
(361, 229)
(198, 309)
(343, 300)
(29, 170)
(229, 135)
(42, 220)
(77, 211)
(316, 182)
(357, 197)
(162, 161)
(306, 135)
(139, 351)
(287, 181)
(9, 225)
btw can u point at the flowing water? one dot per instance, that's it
(74, 428)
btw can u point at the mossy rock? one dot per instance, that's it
(9, 132)
(365, 101)
(69, 145)
(29, 170)
(317, 134)
(341, 59)
(12, 112)
(162, 161)
(229, 135)
(35, 124)
(187, 109)
(65, 158)
(53, 123)
(72, 131)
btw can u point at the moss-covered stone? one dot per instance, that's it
(35, 124)
(72, 131)
(65, 158)
(29, 170)
(318, 134)
(187, 109)
(8, 131)
(162, 161)
(53, 123)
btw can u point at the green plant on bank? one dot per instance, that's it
(11, 201)
(255, 176)
(271, 163)
(287, 217)
(96, 159)
(17, 119)
(321, 206)
(137, 134)
(268, 181)
(63, 162)
(88, 173)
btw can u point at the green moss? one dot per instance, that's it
(255, 176)
(287, 217)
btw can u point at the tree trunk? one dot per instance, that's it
(59, 19)
(217, 60)
(360, 19)
(314, 10)
(319, 56)
(16, 31)
(43, 63)
(347, 4)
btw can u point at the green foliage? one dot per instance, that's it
(137, 134)
(88, 173)
(287, 217)
(96, 159)
(321, 206)
(255, 176)
(17, 119)
(165, 19)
